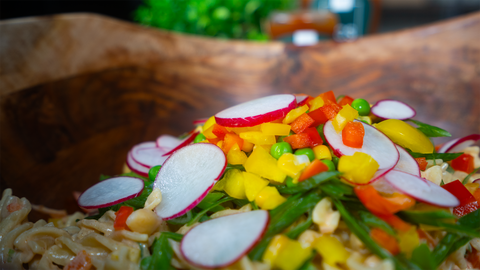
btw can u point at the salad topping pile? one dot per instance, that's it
(302, 182)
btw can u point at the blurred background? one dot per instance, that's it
(303, 22)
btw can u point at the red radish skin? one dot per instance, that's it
(257, 111)
(183, 143)
(136, 167)
(186, 177)
(375, 143)
(459, 144)
(392, 109)
(110, 192)
(222, 241)
(407, 163)
(301, 99)
(421, 189)
(200, 122)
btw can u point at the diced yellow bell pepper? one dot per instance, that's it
(358, 168)
(235, 184)
(294, 114)
(239, 130)
(236, 156)
(408, 240)
(257, 137)
(322, 152)
(366, 119)
(209, 123)
(406, 136)
(316, 103)
(331, 249)
(208, 133)
(247, 146)
(285, 254)
(276, 129)
(261, 163)
(345, 115)
(253, 185)
(289, 164)
(268, 198)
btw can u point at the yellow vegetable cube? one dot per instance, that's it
(236, 156)
(261, 163)
(331, 249)
(294, 114)
(322, 152)
(253, 185)
(268, 198)
(276, 129)
(286, 254)
(289, 164)
(234, 184)
(345, 115)
(209, 123)
(257, 137)
(273, 249)
(358, 168)
(316, 103)
(247, 146)
(408, 240)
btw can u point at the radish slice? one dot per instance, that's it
(375, 143)
(200, 122)
(135, 166)
(257, 111)
(421, 189)
(476, 181)
(168, 142)
(392, 109)
(147, 154)
(301, 99)
(222, 241)
(183, 143)
(459, 144)
(187, 176)
(111, 191)
(407, 163)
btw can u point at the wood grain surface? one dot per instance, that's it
(78, 91)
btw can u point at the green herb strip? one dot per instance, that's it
(162, 252)
(465, 180)
(433, 156)
(429, 130)
(204, 211)
(308, 184)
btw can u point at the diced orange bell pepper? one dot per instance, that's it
(298, 141)
(328, 97)
(345, 100)
(314, 168)
(385, 240)
(318, 116)
(330, 110)
(476, 194)
(378, 204)
(80, 262)
(121, 216)
(301, 123)
(422, 163)
(352, 134)
(229, 140)
(219, 131)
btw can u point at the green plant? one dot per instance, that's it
(233, 19)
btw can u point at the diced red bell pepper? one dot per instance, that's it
(352, 134)
(385, 240)
(380, 205)
(318, 116)
(312, 169)
(330, 110)
(468, 203)
(422, 163)
(463, 163)
(345, 100)
(315, 138)
(121, 216)
(328, 98)
(301, 123)
(219, 131)
(297, 141)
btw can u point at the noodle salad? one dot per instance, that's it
(280, 182)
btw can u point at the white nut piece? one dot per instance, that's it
(307, 238)
(153, 199)
(433, 174)
(325, 217)
(143, 221)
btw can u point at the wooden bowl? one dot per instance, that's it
(78, 91)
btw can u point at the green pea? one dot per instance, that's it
(362, 106)
(329, 163)
(199, 138)
(279, 149)
(289, 182)
(306, 151)
(152, 173)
